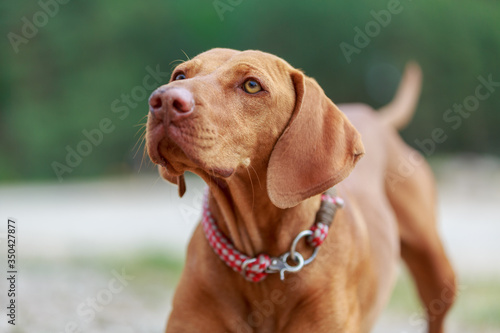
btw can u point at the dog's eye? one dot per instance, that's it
(180, 76)
(252, 86)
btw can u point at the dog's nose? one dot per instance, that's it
(176, 102)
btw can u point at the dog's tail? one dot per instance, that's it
(400, 110)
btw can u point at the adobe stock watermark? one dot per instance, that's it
(372, 29)
(454, 118)
(223, 6)
(121, 107)
(437, 307)
(87, 310)
(192, 212)
(30, 27)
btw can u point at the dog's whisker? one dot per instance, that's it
(187, 57)
(257, 175)
(142, 129)
(139, 144)
(141, 139)
(180, 61)
(176, 63)
(253, 190)
(156, 181)
(142, 159)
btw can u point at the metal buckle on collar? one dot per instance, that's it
(280, 264)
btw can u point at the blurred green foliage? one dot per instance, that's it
(65, 78)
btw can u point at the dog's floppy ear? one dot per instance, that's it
(177, 180)
(317, 149)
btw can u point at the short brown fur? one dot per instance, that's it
(267, 158)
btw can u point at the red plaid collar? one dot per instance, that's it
(256, 269)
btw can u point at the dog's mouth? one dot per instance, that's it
(180, 148)
(155, 140)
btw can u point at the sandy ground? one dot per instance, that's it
(122, 217)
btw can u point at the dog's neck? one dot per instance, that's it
(246, 215)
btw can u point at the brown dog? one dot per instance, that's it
(268, 142)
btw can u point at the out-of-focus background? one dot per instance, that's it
(101, 240)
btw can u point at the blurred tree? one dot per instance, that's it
(85, 56)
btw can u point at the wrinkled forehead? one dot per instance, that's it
(210, 61)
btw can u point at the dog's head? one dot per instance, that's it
(225, 111)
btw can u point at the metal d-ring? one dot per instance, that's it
(299, 259)
(292, 269)
(293, 251)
